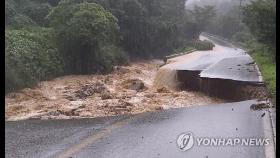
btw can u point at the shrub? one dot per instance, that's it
(202, 45)
(30, 56)
(197, 44)
(183, 49)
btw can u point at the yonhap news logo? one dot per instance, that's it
(186, 141)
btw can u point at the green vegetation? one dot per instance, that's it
(30, 56)
(22, 13)
(202, 45)
(151, 28)
(195, 45)
(47, 38)
(267, 67)
(84, 30)
(260, 17)
(202, 16)
(228, 25)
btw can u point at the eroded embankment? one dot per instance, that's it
(127, 90)
(230, 90)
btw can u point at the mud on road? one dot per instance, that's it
(127, 90)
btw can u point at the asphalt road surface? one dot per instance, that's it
(223, 62)
(144, 135)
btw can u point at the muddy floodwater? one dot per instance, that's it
(127, 90)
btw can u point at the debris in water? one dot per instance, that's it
(121, 70)
(163, 90)
(90, 89)
(106, 95)
(134, 84)
(158, 108)
(259, 106)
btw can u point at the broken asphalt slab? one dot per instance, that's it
(236, 68)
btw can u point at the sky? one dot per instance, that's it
(211, 2)
(220, 5)
(191, 2)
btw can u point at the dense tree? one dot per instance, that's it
(21, 13)
(160, 26)
(151, 28)
(228, 23)
(260, 17)
(202, 16)
(83, 30)
(38, 13)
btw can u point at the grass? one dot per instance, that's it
(267, 67)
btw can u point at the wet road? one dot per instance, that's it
(223, 62)
(235, 68)
(144, 135)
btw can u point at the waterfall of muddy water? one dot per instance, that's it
(166, 77)
(167, 74)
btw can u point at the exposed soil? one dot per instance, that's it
(127, 90)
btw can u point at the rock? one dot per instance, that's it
(150, 95)
(259, 106)
(134, 84)
(163, 90)
(108, 80)
(106, 95)
(82, 106)
(54, 113)
(67, 112)
(158, 108)
(12, 95)
(90, 89)
(124, 103)
(71, 98)
(121, 70)
(138, 71)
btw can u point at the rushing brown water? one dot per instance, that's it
(127, 90)
(166, 77)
